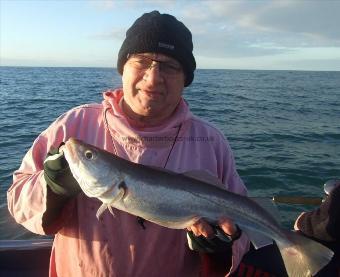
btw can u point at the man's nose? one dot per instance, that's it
(153, 74)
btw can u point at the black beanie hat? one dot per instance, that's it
(159, 33)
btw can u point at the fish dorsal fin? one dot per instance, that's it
(269, 205)
(204, 176)
(199, 175)
(161, 169)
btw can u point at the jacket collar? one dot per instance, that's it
(122, 129)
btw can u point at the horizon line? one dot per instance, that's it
(114, 68)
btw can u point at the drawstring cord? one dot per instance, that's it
(140, 220)
(108, 129)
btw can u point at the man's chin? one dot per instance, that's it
(152, 98)
(151, 111)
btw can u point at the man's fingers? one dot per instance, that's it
(201, 227)
(227, 226)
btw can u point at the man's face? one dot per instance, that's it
(152, 92)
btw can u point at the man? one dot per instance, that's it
(147, 122)
(323, 225)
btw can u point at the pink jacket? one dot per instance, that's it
(119, 246)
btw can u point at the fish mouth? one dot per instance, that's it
(72, 153)
(69, 149)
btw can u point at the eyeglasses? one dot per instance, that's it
(144, 63)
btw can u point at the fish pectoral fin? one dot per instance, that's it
(109, 206)
(110, 210)
(101, 210)
(120, 194)
(258, 239)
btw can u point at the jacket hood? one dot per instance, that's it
(122, 129)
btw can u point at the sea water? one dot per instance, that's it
(283, 126)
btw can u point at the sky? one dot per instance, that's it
(234, 34)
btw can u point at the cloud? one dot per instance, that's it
(236, 29)
(217, 33)
(146, 4)
(113, 34)
(317, 21)
(104, 4)
(223, 43)
(261, 28)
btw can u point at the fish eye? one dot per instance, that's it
(89, 154)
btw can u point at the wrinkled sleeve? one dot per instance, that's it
(228, 174)
(27, 196)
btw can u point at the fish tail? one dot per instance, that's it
(303, 256)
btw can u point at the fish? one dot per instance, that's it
(178, 200)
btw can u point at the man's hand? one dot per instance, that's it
(203, 228)
(322, 223)
(203, 237)
(58, 175)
